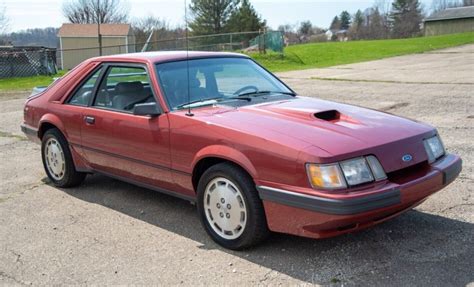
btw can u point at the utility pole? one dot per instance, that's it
(99, 36)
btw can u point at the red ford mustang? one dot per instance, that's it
(220, 130)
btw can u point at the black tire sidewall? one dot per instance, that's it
(71, 177)
(245, 185)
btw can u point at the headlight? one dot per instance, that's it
(356, 171)
(350, 172)
(325, 176)
(376, 167)
(434, 148)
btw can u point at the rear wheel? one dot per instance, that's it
(57, 160)
(229, 207)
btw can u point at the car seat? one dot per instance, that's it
(128, 93)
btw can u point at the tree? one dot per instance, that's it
(358, 27)
(149, 23)
(306, 28)
(162, 34)
(406, 18)
(345, 20)
(384, 8)
(3, 20)
(144, 27)
(211, 16)
(286, 28)
(245, 19)
(95, 11)
(289, 32)
(46, 37)
(335, 25)
(376, 26)
(358, 19)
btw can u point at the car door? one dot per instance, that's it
(73, 108)
(117, 142)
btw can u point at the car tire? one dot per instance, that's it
(57, 160)
(229, 207)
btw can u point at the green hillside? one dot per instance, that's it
(319, 55)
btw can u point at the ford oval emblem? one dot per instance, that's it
(407, 158)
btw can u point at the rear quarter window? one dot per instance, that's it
(83, 95)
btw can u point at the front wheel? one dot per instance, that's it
(229, 207)
(57, 160)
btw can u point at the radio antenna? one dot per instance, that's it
(189, 113)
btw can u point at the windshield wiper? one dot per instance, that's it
(197, 101)
(259, 93)
(237, 98)
(185, 105)
(244, 96)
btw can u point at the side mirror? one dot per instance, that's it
(147, 109)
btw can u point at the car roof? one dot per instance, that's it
(167, 56)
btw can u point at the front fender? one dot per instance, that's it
(227, 153)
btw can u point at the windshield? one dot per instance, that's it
(215, 80)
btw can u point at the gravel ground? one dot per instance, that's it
(109, 232)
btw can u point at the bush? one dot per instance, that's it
(318, 38)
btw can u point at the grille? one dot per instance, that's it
(409, 173)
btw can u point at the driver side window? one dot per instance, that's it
(123, 88)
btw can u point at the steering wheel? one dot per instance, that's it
(250, 87)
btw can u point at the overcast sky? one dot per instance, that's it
(26, 14)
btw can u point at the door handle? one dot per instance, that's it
(90, 120)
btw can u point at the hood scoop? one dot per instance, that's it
(330, 115)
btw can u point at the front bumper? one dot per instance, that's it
(325, 216)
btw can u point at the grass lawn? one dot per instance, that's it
(26, 83)
(320, 55)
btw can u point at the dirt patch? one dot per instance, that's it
(12, 95)
(10, 135)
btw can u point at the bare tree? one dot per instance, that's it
(4, 21)
(46, 37)
(358, 28)
(377, 25)
(287, 28)
(143, 27)
(163, 36)
(96, 11)
(290, 33)
(383, 6)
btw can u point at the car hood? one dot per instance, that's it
(341, 131)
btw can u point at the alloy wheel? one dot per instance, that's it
(225, 208)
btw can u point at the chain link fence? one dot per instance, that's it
(27, 61)
(273, 41)
(23, 62)
(240, 41)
